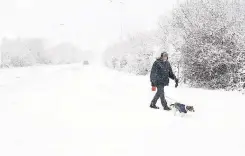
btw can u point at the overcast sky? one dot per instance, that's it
(90, 24)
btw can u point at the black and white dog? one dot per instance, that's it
(181, 108)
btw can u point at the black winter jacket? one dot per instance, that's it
(161, 72)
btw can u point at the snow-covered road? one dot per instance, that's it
(72, 110)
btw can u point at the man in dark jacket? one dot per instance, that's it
(160, 73)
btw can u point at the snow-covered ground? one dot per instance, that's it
(72, 110)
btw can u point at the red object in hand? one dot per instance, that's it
(153, 88)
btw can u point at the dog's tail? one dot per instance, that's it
(172, 105)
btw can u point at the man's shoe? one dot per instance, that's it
(154, 106)
(167, 108)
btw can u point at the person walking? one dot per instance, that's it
(160, 73)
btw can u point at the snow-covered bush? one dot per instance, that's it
(212, 42)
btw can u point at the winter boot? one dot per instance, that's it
(166, 108)
(154, 106)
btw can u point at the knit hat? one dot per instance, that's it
(164, 54)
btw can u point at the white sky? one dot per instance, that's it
(90, 24)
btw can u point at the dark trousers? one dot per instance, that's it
(159, 94)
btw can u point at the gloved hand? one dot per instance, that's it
(176, 82)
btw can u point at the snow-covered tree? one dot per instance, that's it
(212, 50)
(64, 53)
(21, 52)
(26, 52)
(135, 55)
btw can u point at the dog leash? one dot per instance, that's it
(170, 98)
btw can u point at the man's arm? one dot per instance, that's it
(171, 74)
(153, 74)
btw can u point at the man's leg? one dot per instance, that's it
(163, 100)
(156, 97)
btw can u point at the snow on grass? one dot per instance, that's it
(76, 110)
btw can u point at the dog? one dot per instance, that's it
(181, 108)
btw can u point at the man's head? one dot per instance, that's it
(164, 56)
